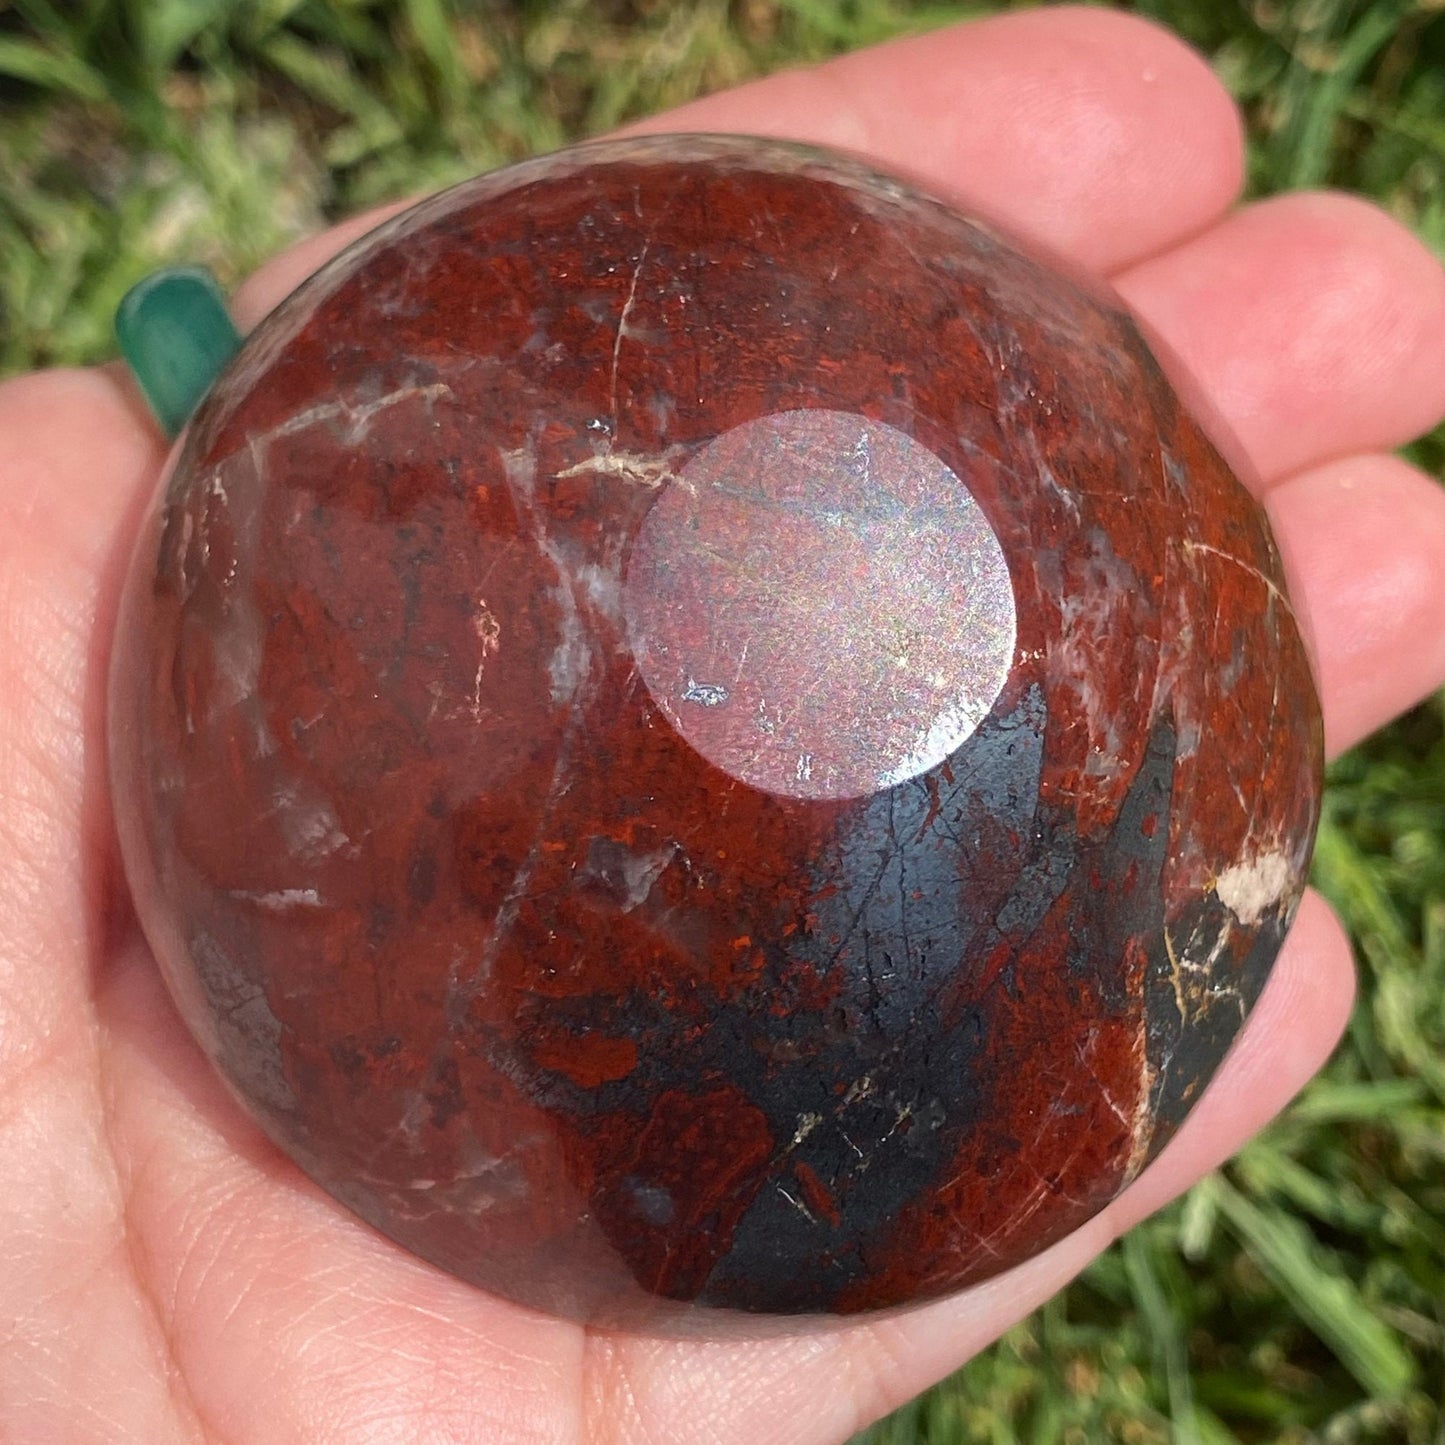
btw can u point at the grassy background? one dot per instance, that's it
(1299, 1294)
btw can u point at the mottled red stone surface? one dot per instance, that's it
(693, 729)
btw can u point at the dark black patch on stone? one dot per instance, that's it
(1230, 963)
(871, 1105)
(1128, 903)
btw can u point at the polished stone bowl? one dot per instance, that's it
(693, 728)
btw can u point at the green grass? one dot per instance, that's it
(1299, 1295)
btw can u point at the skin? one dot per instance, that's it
(170, 1278)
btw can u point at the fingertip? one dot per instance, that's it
(1314, 322)
(1382, 290)
(1094, 133)
(1146, 144)
(1364, 545)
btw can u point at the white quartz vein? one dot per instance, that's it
(626, 313)
(356, 416)
(1196, 548)
(646, 471)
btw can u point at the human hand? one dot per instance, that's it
(170, 1277)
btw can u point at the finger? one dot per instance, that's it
(1364, 545)
(1093, 133)
(822, 1386)
(1313, 324)
(55, 541)
(78, 1347)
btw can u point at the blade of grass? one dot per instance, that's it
(1322, 101)
(324, 77)
(166, 28)
(432, 27)
(1160, 1315)
(39, 64)
(1323, 1295)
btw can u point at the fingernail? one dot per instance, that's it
(176, 337)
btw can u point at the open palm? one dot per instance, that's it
(168, 1276)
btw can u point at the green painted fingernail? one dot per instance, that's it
(176, 335)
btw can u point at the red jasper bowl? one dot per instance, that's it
(693, 729)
